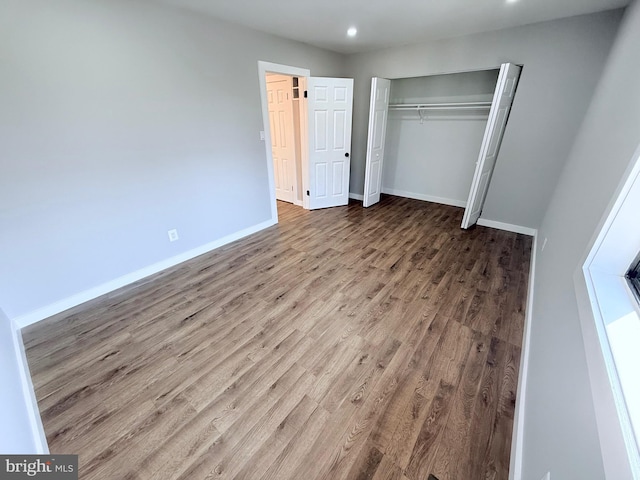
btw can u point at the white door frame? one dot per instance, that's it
(263, 69)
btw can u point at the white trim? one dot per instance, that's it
(611, 296)
(604, 389)
(304, 143)
(509, 227)
(356, 196)
(79, 298)
(426, 198)
(30, 402)
(263, 69)
(603, 297)
(517, 436)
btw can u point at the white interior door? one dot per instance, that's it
(280, 104)
(378, 111)
(498, 115)
(330, 110)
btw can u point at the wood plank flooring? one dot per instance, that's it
(345, 343)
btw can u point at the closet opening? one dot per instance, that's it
(436, 138)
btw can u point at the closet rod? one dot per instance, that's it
(440, 106)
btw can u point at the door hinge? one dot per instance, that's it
(308, 193)
(306, 94)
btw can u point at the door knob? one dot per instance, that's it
(346, 154)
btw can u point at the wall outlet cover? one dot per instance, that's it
(173, 235)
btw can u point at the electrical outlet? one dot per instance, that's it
(544, 244)
(262, 135)
(173, 235)
(547, 476)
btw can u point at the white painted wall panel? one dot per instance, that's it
(121, 120)
(603, 150)
(435, 159)
(563, 61)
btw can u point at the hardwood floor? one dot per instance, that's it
(345, 343)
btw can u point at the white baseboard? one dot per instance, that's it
(532, 232)
(426, 198)
(458, 203)
(31, 403)
(356, 196)
(79, 298)
(517, 436)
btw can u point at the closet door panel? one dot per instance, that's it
(378, 112)
(498, 116)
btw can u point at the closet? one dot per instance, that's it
(437, 137)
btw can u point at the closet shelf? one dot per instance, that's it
(440, 106)
(424, 108)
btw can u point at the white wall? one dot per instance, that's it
(560, 431)
(562, 61)
(121, 120)
(434, 159)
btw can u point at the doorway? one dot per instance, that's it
(265, 69)
(283, 99)
(435, 154)
(325, 108)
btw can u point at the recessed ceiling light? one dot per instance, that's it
(512, 1)
(352, 31)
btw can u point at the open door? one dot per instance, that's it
(330, 110)
(378, 111)
(280, 103)
(498, 115)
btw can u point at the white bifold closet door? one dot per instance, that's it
(498, 115)
(378, 112)
(330, 111)
(494, 131)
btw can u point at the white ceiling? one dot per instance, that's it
(385, 23)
